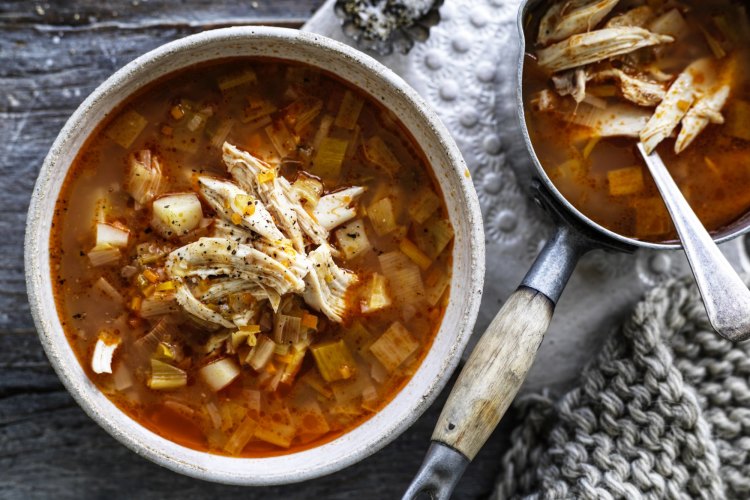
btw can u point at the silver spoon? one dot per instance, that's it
(725, 296)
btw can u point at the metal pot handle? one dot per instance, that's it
(496, 368)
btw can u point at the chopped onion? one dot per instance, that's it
(220, 374)
(106, 344)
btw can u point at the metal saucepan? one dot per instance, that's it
(500, 361)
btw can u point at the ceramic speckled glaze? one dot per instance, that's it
(450, 170)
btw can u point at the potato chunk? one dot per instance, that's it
(176, 214)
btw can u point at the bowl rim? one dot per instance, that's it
(55, 342)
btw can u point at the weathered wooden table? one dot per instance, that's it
(52, 54)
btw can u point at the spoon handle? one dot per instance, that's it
(725, 296)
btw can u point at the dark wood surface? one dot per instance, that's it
(52, 54)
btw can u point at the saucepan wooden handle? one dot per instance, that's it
(494, 372)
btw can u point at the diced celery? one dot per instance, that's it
(382, 216)
(375, 296)
(232, 80)
(241, 436)
(415, 254)
(334, 361)
(126, 128)
(328, 158)
(104, 350)
(348, 114)
(394, 346)
(165, 376)
(738, 120)
(423, 205)
(377, 152)
(220, 374)
(434, 236)
(625, 181)
(176, 214)
(352, 239)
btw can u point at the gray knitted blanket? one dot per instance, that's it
(662, 412)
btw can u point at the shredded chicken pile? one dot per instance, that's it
(265, 243)
(579, 45)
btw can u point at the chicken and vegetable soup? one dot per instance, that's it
(675, 75)
(251, 257)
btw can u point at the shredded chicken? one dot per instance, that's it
(144, 177)
(635, 90)
(595, 46)
(337, 208)
(211, 257)
(706, 110)
(199, 310)
(327, 284)
(570, 17)
(572, 83)
(675, 106)
(226, 198)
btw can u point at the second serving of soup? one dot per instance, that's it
(673, 74)
(251, 257)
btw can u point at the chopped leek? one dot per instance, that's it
(104, 255)
(434, 236)
(394, 346)
(328, 158)
(382, 216)
(276, 433)
(126, 128)
(286, 329)
(144, 177)
(258, 111)
(104, 350)
(323, 128)
(423, 205)
(334, 361)
(241, 436)
(302, 112)
(158, 305)
(375, 295)
(436, 282)
(404, 278)
(625, 181)
(352, 239)
(261, 353)
(348, 114)
(377, 152)
(236, 79)
(148, 253)
(282, 139)
(220, 374)
(165, 376)
(358, 337)
(122, 377)
(672, 23)
(415, 254)
(220, 132)
(176, 214)
(292, 367)
(310, 420)
(106, 288)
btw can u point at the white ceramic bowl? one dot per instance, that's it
(451, 172)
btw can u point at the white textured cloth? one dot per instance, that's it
(662, 412)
